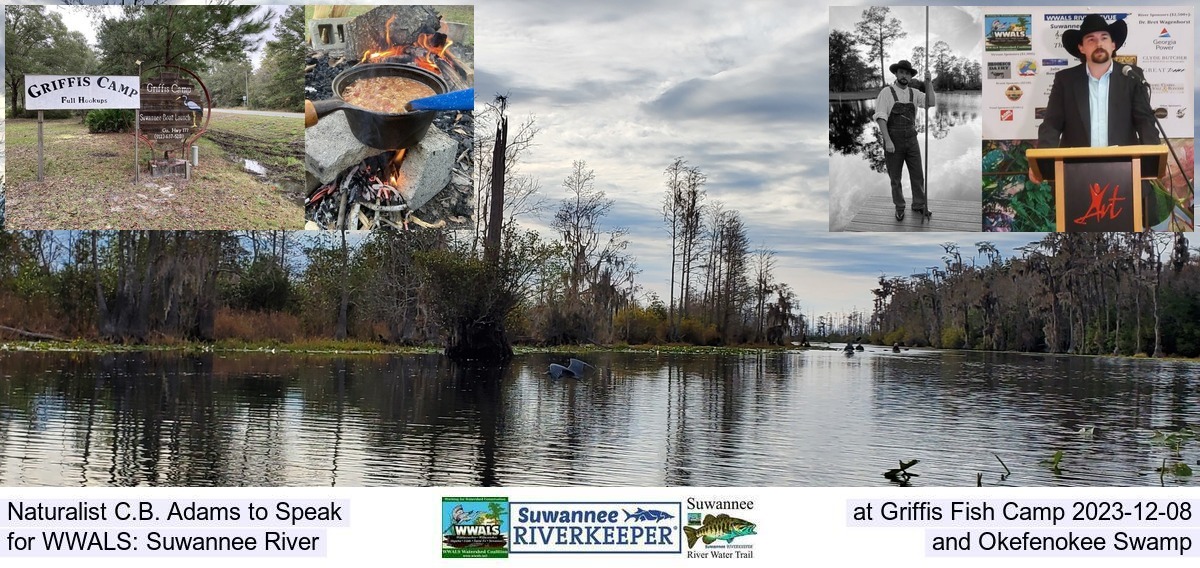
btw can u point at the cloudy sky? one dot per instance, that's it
(739, 89)
(736, 88)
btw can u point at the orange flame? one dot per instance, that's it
(424, 41)
(388, 29)
(395, 176)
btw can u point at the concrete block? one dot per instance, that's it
(426, 168)
(330, 147)
(328, 34)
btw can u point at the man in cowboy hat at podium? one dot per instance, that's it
(896, 114)
(1094, 103)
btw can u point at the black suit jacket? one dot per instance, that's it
(1067, 121)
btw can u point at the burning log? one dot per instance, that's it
(388, 26)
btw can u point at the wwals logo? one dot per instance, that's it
(475, 527)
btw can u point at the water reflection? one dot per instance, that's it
(809, 418)
(857, 167)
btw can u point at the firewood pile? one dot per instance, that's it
(365, 197)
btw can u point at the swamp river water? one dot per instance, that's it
(772, 418)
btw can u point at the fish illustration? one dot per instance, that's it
(721, 527)
(644, 515)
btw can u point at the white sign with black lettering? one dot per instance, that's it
(56, 92)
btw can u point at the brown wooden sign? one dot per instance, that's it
(172, 109)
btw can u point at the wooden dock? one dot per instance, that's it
(876, 214)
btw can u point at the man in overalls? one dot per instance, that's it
(896, 114)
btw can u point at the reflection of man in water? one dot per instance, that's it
(896, 113)
(1094, 103)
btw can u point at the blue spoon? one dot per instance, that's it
(454, 100)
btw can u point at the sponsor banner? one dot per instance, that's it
(999, 70)
(1160, 42)
(731, 526)
(1007, 32)
(81, 92)
(596, 527)
(1014, 92)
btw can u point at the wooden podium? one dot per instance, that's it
(1099, 189)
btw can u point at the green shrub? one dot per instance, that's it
(953, 338)
(109, 120)
(695, 332)
(46, 114)
(636, 325)
(894, 337)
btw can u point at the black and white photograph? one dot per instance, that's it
(904, 100)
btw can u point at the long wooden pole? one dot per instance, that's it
(928, 91)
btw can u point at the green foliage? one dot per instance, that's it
(895, 336)
(1010, 200)
(227, 82)
(321, 284)
(109, 120)
(46, 114)
(1181, 309)
(1173, 441)
(1177, 212)
(264, 286)
(285, 59)
(637, 325)
(1054, 461)
(188, 36)
(37, 42)
(953, 338)
(471, 296)
(696, 332)
(1174, 464)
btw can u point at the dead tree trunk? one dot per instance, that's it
(496, 214)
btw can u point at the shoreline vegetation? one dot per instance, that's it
(332, 347)
(368, 348)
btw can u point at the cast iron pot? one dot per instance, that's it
(380, 130)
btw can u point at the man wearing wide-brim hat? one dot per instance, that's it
(896, 114)
(1094, 103)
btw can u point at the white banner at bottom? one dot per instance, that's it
(674, 526)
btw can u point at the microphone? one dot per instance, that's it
(1129, 71)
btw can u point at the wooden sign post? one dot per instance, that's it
(171, 117)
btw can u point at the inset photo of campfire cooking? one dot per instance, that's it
(388, 117)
